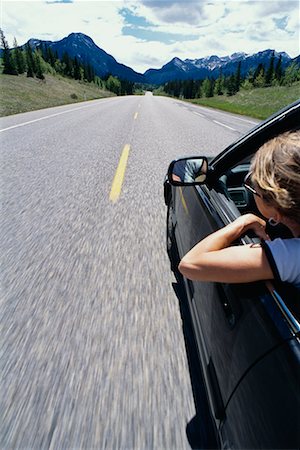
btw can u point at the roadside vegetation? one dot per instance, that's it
(259, 103)
(34, 78)
(259, 94)
(37, 78)
(22, 94)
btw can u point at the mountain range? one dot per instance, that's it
(86, 51)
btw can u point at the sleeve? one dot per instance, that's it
(270, 258)
(284, 258)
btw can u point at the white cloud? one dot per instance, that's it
(216, 27)
(177, 11)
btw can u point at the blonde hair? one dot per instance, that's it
(276, 171)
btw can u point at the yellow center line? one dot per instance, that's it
(119, 175)
(136, 114)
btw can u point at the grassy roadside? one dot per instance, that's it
(259, 103)
(21, 94)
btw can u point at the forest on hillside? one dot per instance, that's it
(36, 62)
(272, 75)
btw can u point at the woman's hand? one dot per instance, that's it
(250, 222)
(214, 259)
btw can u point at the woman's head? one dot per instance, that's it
(276, 173)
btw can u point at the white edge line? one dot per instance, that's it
(233, 116)
(223, 125)
(43, 118)
(198, 114)
(244, 120)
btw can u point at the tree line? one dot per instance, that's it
(272, 75)
(36, 62)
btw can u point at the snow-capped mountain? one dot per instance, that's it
(86, 51)
(211, 66)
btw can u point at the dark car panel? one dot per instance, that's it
(242, 330)
(266, 403)
(227, 314)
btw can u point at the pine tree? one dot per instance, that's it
(89, 73)
(98, 82)
(259, 76)
(9, 66)
(177, 88)
(113, 84)
(126, 87)
(291, 75)
(51, 57)
(58, 67)
(260, 80)
(250, 76)
(278, 69)
(19, 58)
(260, 69)
(199, 92)
(208, 87)
(188, 90)
(38, 65)
(270, 72)
(43, 51)
(68, 65)
(231, 85)
(219, 84)
(77, 71)
(29, 61)
(238, 77)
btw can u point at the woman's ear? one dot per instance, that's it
(278, 217)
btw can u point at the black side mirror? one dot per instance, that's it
(188, 171)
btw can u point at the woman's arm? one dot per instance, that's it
(213, 260)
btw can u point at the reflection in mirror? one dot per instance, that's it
(189, 171)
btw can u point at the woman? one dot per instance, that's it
(274, 179)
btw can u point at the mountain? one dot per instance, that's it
(86, 51)
(176, 69)
(201, 68)
(296, 60)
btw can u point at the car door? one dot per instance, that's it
(264, 411)
(234, 324)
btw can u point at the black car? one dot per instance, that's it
(247, 335)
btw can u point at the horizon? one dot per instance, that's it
(175, 57)
(148, 34)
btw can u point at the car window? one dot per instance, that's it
(233, 185)
(232, 181)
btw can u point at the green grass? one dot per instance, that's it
(21, 94)
(259, 103)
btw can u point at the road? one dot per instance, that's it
(93, 354)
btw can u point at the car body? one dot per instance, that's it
(247, 335)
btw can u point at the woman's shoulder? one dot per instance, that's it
(291, 244)
(284, 257)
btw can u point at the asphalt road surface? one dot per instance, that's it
(92, 349)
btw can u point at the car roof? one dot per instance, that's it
(286, 119)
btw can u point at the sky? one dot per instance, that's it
(145, 34)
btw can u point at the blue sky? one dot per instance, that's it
(147, 34)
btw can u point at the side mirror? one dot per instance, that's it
(188, 171)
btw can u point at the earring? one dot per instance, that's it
(272, 222)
